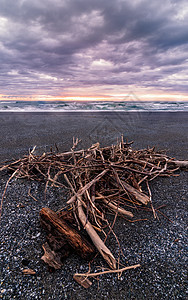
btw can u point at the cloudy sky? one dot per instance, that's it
(103, 49)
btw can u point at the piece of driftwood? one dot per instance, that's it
(100, 182)
(80, 245)
(83, 281)
(99, 244)
(52, 258)
(86, 187)
(115, 207)
(28, 272)
(180, 163)
(140, 196)
(82, 278)
(56, 249)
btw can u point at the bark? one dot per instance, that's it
(60, 227)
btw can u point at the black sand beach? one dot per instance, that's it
(160, 246)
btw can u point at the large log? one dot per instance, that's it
(64, 232)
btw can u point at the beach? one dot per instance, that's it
(22, 131)
(158, 245)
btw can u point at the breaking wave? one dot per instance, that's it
(63, 106)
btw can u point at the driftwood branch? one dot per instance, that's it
(143, 198)
(82, 278)
(99, 244)
(115, 208)
(99, 182)
(87, 186)
(180, 163)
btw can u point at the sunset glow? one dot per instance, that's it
(116, 97)
(94, 51)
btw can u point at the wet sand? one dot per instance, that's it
(158, 245)
(21, 131)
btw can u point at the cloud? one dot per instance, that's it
(50, 46)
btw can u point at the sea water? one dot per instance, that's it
(63, 106)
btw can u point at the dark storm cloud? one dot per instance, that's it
(50, 45)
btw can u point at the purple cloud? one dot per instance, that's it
(54, 45)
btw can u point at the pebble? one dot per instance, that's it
(160, 247)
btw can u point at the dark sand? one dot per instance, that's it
(158, 245)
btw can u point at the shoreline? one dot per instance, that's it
(94, 111)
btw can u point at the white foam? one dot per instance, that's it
(58, 106)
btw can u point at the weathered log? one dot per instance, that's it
(79, 243)
(58, 243)
(56, 249)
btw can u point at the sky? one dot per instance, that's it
(94, 49)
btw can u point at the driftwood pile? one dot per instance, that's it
(101, 182)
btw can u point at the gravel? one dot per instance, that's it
(160, 246)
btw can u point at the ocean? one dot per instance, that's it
(71, 106)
